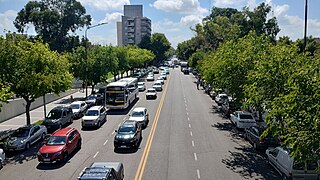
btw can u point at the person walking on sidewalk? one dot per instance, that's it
(198, 83)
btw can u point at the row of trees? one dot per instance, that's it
(261, 72)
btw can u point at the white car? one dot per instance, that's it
(157, 86)
(150, 78)
(94, 117)
(78, 108)
(151, 93)
(2, 157)
(160, 79)
(242, 119)
(140, 114)
(141, 86)
(220, 98)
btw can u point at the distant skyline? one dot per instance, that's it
(174, 18)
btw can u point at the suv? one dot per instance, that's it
(140, 114)
(94, 116)
(128, 135)
(103, 170)
(58, 117)
(60, 145)
(78, 108)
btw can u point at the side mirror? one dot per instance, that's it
(69, 142)
(115, 130)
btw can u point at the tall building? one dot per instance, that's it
(133, 26)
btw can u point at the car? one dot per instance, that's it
(242, 119)
(166, 70)
(140, 114)
(78, 108)
(141, 86)
(157, 86)
(23, 137)
(129, 135)
(60, 145)
(151, 93)
(58, 117)
(103, 171)
(94, 117)
(164, 77)
(160, 79)
(253, 135)
(220, 98)
(156, 71)
(228, 107)
(150, 78)
(288, 168)
(2, 157)
(91, 100)
(185, 71)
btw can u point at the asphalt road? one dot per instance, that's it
(186, 139)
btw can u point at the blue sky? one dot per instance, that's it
(175, 17)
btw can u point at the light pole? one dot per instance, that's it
(305, 26)
(86, 51)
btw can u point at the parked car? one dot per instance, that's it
(91, 100)
(78, 108)
(23, 137)
(151, 93)
(220, 98)
(228, 107)
(160, 79)
(150, 78)
(94, 117)
(185, 71)
(141, 86)
(140, 114)
(163, 76)
(242, 119)
(58, 117)
(2, 157)
(288, 168)
(59, 146)
(103, 171)
(156, 71)
(253, 135)
(157, 86)
(128, 135)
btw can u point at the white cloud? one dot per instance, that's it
(105, 4)
(225, 3)
(191, 20)
(6, 20)
(180, 6)
(165, 26)
(113, 17)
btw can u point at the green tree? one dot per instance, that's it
(53, 20)
(138, 58)
(122, 55)
(159, 46)
(32, 70)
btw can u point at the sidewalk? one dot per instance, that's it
(38, 113)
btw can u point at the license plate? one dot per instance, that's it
(123, 146)
(46, 159)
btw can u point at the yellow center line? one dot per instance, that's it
(146, 151)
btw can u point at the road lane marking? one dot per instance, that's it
(146, 150)
(119, 124)
(123, 119)
(189, 125)
(191, 133)
(198, 173)
(186, 109)
(195, 156)
(105, 142)
(113, 132)
(188, 119)
(192, 142)
(95, 155)
(187, 113)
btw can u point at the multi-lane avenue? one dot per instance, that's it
(186, 139)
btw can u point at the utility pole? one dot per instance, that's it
(305, 26)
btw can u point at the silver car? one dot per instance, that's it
(25, 136)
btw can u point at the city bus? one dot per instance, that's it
(120, 94)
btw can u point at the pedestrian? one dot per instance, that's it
(198, 83)
(83, 86)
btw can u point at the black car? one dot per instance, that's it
(253, 135)
(228, 107)
(128, 135)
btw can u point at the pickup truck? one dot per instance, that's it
(103, 170)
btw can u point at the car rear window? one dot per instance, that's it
(245, 116)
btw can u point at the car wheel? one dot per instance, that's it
(71, 120)
(65, 157)
(43, 136)
(27, 146)
(1, 165)
(99, 124)
(60, 126)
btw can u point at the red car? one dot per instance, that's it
(60, 145)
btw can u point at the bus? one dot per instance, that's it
(120, 94)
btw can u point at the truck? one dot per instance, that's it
(103, 170)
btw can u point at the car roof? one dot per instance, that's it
(152, 89)
(63, 132)
(95, 108)
(140, 82)
(28, 126)
(61, 107)
(77, 102)
(139, 109)
(129, 122)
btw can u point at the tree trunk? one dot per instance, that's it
(28, 110)
(92, 88)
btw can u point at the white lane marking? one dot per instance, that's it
(198, 173)
(186, 108)
(189, 125)
(105, 142)
(188, 119)
(191, 133)
(187, 113)
(192, 142)
(96, 154)
(113, 132)
(123, 119)
(195, 156)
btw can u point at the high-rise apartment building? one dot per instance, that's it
(133, 26)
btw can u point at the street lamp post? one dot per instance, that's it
(86, 51)
(305, 26)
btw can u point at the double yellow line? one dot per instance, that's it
(146, 151)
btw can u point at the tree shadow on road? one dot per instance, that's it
(249, 164)
(20, 157)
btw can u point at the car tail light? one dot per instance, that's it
(261, 141)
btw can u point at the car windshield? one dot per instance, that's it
(75, 106)
(245, 116)
(126, 130)
(137, 114)
(92, 113)
(56, 140)
(91, 97)
(140, 83)
(54, 114)
(21, 132)
(157, 84)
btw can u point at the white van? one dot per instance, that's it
(280, 159)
